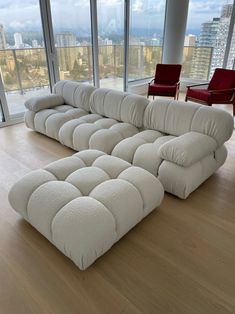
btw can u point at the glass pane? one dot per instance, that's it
(22, 56)
(146, 37)
(206, 37)
(231, 57)
(111, 39)
(72, 31)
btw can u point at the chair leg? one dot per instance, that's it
(186, 98)
(234, 109)
(178, 92)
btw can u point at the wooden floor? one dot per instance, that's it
(180, 259)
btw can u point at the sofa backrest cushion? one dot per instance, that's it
(118, 105)
(179, 117)
(74, 93)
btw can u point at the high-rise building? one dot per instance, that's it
(18, 40)
(190, 40)
(35, 43)
(66, 43)
(65, 39)
(226, 10)
(221, 38)
(3, 43)
(202, 53)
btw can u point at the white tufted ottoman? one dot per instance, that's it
(83, 204)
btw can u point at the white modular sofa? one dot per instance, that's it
(180, 143)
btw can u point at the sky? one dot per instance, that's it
(74, 14)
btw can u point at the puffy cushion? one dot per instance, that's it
(43, 102)
(49, 121)
(83, 204)
(181, 181)
(178, 117)
(74, 94)
(101, 133)
(142, 150)
(188, 148)
(119, 106)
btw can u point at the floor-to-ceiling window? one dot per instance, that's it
(23, 67)
(206, 37)
(72, 36)
(110, 14)
(146, 37)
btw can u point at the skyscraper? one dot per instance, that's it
(18, 40)
(221, 38)
(190, 40)
(226, 10)
(66, 43)
(202, 53)
(65, 39)
(3, 44)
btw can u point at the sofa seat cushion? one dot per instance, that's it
(83, 204)
(143, 149)
(96, 132)
(49, 121)
(204, 95)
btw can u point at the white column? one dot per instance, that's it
(175, 27)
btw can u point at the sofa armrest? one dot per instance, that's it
(43, 102)
(188, 148)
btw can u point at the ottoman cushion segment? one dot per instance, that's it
(83, 204)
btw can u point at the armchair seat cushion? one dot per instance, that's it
(204, 95)
(163, 89)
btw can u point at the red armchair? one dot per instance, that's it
(166, 81)
(220, 90)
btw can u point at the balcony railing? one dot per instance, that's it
(26, 69)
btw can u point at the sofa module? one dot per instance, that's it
(182, 144)
(85, 203)
(82, 117)
(120, 116)
(69, 100)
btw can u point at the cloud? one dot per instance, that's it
(17, 24)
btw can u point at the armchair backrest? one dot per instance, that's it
(74, 93)
(222, 79)
(179, 117)
(167, 74)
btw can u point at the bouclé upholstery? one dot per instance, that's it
(85, 203)
(180, 143)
